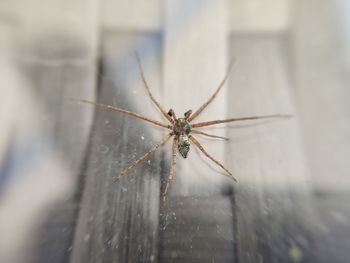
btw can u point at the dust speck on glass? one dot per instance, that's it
(181, 129)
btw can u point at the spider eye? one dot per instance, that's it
(170, 113)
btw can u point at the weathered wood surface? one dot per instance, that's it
(199, 229)
(118, 220)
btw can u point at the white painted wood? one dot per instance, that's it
(322, 89)
(268, 16)
(259, 86)
(132, 14)
(195, 62)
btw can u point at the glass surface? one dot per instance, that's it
(61, 198)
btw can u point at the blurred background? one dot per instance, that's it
(59, 160)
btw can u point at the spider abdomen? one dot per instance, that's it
(183, 145)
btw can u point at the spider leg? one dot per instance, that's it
(172, 114)
(147, 154)
(171, 171)
(149, 91)
(200, 147)
(208, 123)
(209, 135)
(197, 112)
(109, 107)
(187, 114)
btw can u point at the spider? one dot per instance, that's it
(180, 128)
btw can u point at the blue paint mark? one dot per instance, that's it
(23, 157)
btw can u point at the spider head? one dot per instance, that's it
(181, 127)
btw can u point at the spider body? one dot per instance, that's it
(180, 128)
(183, 145)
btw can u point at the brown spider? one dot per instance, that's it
(180, 128)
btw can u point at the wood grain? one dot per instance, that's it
(118, 220)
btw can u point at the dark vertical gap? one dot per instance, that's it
(232, 197)
(162, 214)
(100, 72)
(7, 165)
(232, 192)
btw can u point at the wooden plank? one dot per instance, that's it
(199, 204)
(195, 61)
(320, 84)
(60, 64)
(53, 49)
(118, 221)
(275, 211)
(59, 56)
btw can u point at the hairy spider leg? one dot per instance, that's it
(187, 114)
(209, 135)
(171, 171)
(172, 114)
(197, 112)
(147, 154)
(208, 123)
(109, 107)
(200, 147)
(149, 91)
